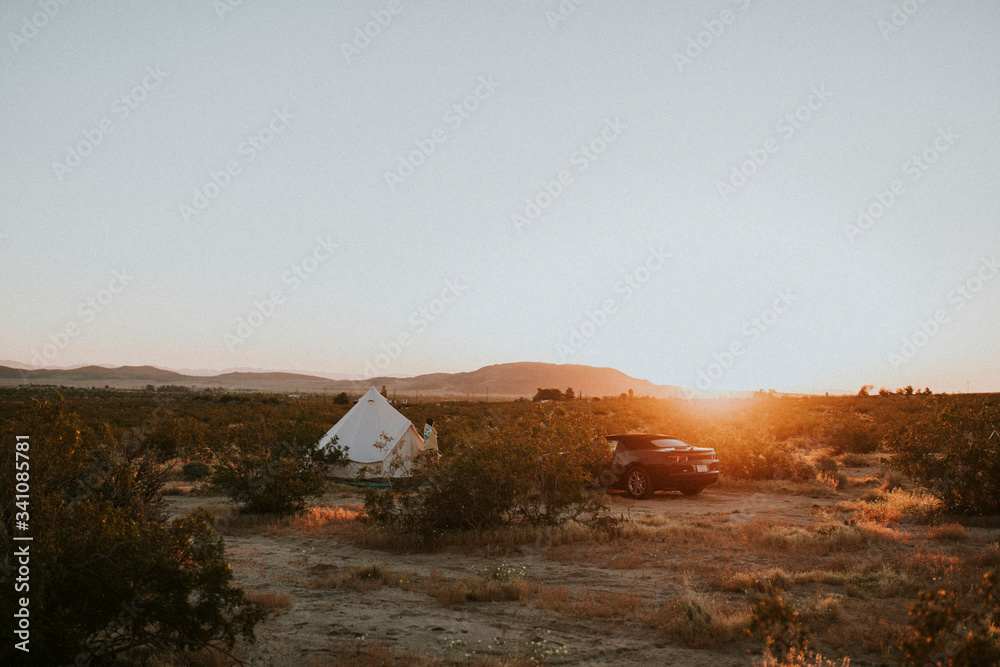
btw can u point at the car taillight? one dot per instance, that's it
(677, 459)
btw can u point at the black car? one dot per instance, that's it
(648, 462)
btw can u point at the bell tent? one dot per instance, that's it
(375, 435)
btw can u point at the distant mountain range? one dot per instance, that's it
(502, 381)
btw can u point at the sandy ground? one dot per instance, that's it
(416, 623)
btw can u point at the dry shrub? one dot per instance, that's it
(833, 481)
(869, 627)
(854, 460)
(885, 582)
(362, 578)
(929, 566)
(321, 519)
(815, 540)
(778, 578)
(478, 590)
(273, 601)
(894, 479)
(176, 489)
(798, 658)
(745, 580)
(510, 587)
(698, 621)
(826, 464)
(987, 557)
(312, 521)
(947, 531)
(896, 506)
(824, 611)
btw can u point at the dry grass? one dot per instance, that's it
(811, 489)
(869, 626)
(699, 621)
(796, 658)
(589, 604)
(807, 541)
(895, 506)
(273, 601)
(853, 460)
(312, 522)
(477, 589)
(498, 540)
(947, 532)
(775, 576)
(885, 582)
(360, 579)
(176, 489)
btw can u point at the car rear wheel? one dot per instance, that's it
(637, 483)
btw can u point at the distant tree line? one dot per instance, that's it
(555, 395)
(901, 391)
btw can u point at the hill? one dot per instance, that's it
(502, 381)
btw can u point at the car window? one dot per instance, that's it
(667, 443)
(612, 445)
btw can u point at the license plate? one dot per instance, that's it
(701, 468)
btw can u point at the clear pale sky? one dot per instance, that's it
(698, 168)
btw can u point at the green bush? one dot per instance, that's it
(851, 434)
(108, 573)
(536, 468)
(954, 453)
(276, 478)
(755, 454)
(195, 470)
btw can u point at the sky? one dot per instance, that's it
(723, 195)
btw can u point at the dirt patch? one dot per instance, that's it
(585, 602)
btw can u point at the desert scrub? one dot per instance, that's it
(945, 629)
(536, 469)
(273, 477)
(951, 453)
(698, 621)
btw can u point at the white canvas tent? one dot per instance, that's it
(374, 434)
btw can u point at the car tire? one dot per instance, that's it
(638, 484)
(693, 491)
